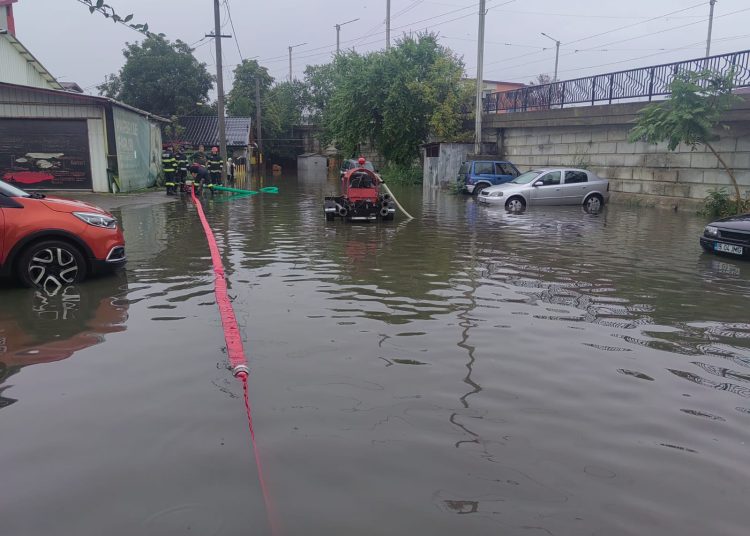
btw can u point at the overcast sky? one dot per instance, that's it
(597, 36)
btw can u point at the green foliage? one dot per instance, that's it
(691, 115)
(241, 99)
(109, 13)
(283, 111)
(719, 204)
(161, 77)
(397, 174)
(394, 99)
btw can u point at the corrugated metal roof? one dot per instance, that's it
(81, 98)
(204, 130)
(29, 58)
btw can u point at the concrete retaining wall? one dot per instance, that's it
(596, 137)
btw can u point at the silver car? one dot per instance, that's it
(550, 186)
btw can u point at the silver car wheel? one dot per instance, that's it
(53, 269)
(515, 205)
(593, 203)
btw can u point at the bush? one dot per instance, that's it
(395, 174)
(719, 204)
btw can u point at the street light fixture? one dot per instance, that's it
(338, 29)
(557, 53)
(290, 58)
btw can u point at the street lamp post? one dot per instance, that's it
(338, 29)
(557, 53)
(290, 58)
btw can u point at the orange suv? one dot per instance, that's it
(50, 242)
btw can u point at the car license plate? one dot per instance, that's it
(728, 248)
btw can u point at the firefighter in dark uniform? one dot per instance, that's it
(200, 177)
(169, 166)
(199, 156)
(215, 163)
(182, 167)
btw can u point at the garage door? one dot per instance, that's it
(45, 154)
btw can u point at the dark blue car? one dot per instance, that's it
(476, 175)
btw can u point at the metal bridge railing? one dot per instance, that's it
(645, 82)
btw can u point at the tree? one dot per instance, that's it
(161, 77)
(241, 98)
(692, 115)
(396, 98)
(283, 110)
(541, 80)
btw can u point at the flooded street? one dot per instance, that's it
(468, 372)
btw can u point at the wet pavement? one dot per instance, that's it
(469, 372)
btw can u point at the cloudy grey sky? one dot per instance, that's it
(597, 35)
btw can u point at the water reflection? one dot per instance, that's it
(37, 327)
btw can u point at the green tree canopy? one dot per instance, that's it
(241, 98)
(692, 114)
(396, 98)
(161, 77)
(283, 111)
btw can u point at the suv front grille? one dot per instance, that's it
(735, 235)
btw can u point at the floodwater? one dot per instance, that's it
(469, 372)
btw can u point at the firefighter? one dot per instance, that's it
(169, 166)
(199, 156)
(200, 177)
(215, 163)
(182, 167)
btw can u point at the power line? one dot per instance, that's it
(234, 32)
(617, 41)
(635, 24)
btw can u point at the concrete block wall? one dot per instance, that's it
(596, 138)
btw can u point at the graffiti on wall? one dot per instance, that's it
(45, 154)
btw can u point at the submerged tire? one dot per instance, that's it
(515, 204)
(330, 216)
(51, 265)
(593, 203)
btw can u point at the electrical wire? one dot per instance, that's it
(234, 32)
(616, 41)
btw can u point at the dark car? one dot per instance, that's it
(476, 175)
(728, 236)
(352, 163)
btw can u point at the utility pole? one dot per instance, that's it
(387, 24)
(259, 135)
(480, 81)
(290, 58)
(557, 53)
(338, 30)
(220, 90)
(710, 27)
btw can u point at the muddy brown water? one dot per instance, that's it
(469, 372)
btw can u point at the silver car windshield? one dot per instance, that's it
(11, 191)
(526, 178)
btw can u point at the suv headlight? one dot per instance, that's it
(710, 230)
(97, 220)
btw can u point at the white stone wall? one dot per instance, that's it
(638, 168)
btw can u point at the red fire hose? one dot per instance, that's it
(235, 350)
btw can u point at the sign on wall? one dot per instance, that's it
(45, 154)
(138, 150)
